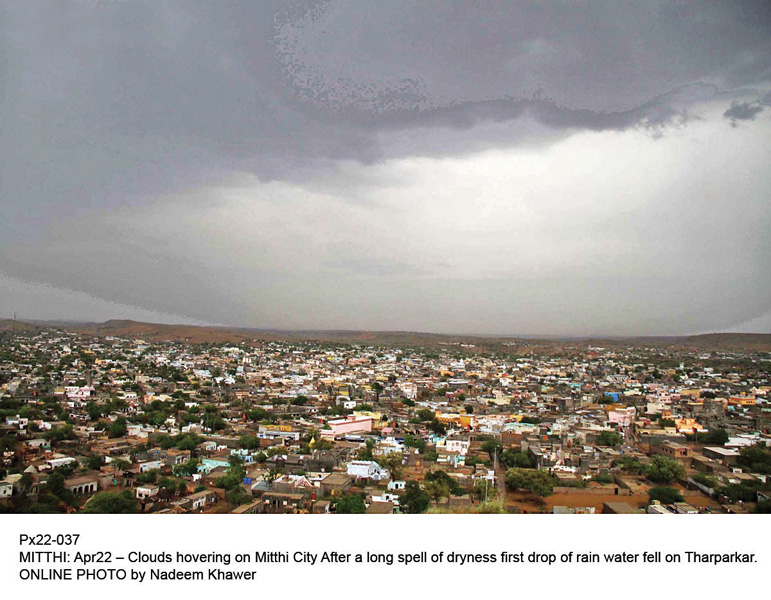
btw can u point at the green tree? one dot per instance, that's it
(537, 481)
(112, 503)
(664, 494)
(249, 442)
(166, 442)
(258, 414)
(739, 492)
(229, 481)
(188, 441)
(437, 427)
(530, 420)
(188, 468)
(26, 481)
(514, 459)
(121, 464)
(425, 415)
(662, 469)
(609, 438)
(94, 462)
(707, 480)
(117, 428)
(54, 496)
(351, 504)
(756, 459)
(415, 442)
(238, 495)
(58, 434)
(415, 499)
(716, 437)
(630, 464)
(272, 475)
(446, 482)
(491, 447)
(366, 452)
(94, 411)
(393, 462)
(321, 443)
(437, 489)
(484, 490)
(150, 476)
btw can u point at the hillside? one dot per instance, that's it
(158, 332)
(196, 334)
(19, 326)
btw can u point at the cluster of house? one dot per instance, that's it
(304, 424)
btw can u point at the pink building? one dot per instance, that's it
(623, 416)
(350, 424)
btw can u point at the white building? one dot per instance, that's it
(367, 469)
(146, 491)
(455, 444)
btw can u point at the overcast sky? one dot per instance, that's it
(566, 167)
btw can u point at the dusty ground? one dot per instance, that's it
(532, 503)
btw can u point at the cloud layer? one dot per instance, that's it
(498, 167)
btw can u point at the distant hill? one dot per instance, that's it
(158, 332)
(760, 342)
(19, 326)
(196, 334)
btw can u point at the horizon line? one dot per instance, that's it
(532, 336)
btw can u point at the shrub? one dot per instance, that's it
(665, 495)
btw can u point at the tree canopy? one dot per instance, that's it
(351, 504)
(662, 469)
(112, 503)
(664, 494)
(537, 481)
(609, 438)
(415, 498)
(517, 459)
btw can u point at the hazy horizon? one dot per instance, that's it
(553, 169)
(483, 334)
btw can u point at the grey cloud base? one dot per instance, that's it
(113, 109)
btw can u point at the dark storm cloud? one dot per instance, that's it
(107, 103)
(743, 111)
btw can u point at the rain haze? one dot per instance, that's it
(552, 168)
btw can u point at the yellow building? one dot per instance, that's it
(742, 400)
(375, 415)
(464, 421)
(689, 426)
